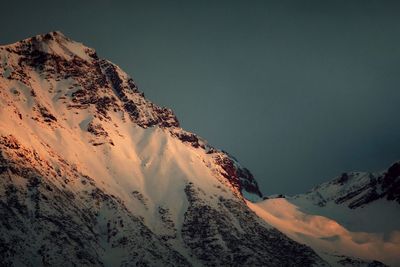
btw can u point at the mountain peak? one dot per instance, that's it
(53, 36)
(65, 79)
(56, 35)
(54, 43)
(43, 37)
(358, 189)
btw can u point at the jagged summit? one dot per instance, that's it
(56, 44)
(45, 37)
(56, 35)
(54, 55)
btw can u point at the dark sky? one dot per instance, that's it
(298, 91)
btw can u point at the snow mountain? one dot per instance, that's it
(94, 174)
(352, 220)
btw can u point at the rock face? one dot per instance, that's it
(94, 174)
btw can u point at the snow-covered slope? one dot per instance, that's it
(355, 215)
(92, 173)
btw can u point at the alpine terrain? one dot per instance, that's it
(352, 219)
(94, 174)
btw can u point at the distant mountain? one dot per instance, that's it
(94, 174)
(359, 189)
(353, 219)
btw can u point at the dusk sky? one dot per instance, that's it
(297, 91)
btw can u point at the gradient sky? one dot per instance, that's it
(297, 91)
